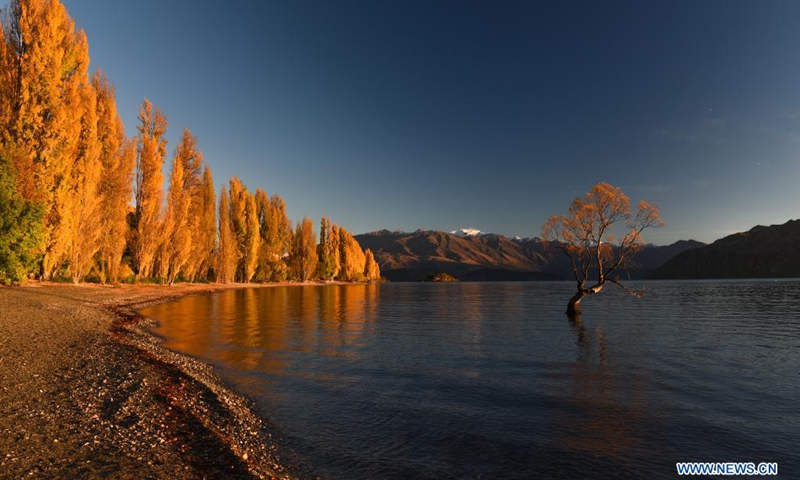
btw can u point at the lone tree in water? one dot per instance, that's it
(584, 235)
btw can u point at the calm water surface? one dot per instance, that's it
(489, 380)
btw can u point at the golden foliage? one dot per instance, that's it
(62, 134)
(82, 206)
(585, 236)
(118, 157)
(184, 212)
(45, 63)
(204, 226)
(151, 150)
(252, 238)
(246, 229)
(228, 248)
(351, 258)
(276, 236)
(372, 271)
(304, 251)
(328, 250)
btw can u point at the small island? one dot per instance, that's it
(440, 277)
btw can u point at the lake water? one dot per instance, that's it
(491, 380)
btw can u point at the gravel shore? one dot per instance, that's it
(85, 392)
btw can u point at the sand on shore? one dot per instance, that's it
(85, 392)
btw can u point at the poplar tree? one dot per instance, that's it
(118, 157)
(372, 271)
(238, 200)
(46, 63)
(352, 258)
(83, 203)
(323, 250)
(8, 84)
(184, 198)
(304, 252)
(276, 237)
(334, 250)
(151, 150)
(252, 238)
(205, 230)
(246, 229)
(228, 248)
(263, 212)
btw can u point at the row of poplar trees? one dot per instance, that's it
(68, 174)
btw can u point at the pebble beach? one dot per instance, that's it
(87, 392)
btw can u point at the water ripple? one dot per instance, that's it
(492, 381)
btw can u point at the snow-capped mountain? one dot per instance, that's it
(467, 232)
(472, 255)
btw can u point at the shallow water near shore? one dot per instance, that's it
(491, 380)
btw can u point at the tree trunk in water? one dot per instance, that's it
(574, 305)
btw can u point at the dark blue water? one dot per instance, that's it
(492, 380)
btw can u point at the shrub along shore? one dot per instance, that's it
(85, 391)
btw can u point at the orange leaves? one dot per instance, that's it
(151, 150)
(585, 234)
(252, 238)
(647, 216)
(228, 248)
(48, 114)
(62, 133)
(372, 271)
(242, 219)
(206, 228)
(351, 257)
(304, 251)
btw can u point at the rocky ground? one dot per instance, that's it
(86, 393)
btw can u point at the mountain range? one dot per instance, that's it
(761, 252)
(472, 255)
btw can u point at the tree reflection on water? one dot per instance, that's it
(604, 412)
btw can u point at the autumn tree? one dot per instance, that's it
(372, 272)
(45, 69)
(335, 258)
(81, 210)
(245, 226)
(184, 210)
(327, 252)
(203, 221)
(585, 236)
(238, 202)
(252, 239)
(9, 66)
(304, 251)
(351, 258)
(276, 235)
(228, 246)
(21, 159)
(151, 151)
(263, 212)
(117, 158)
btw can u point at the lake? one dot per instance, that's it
(492, 380)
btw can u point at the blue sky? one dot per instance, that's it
(441, 115)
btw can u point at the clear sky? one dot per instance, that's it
(440, 115)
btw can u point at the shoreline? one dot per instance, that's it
(86, 390)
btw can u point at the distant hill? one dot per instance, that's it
(761, 252)
(419, 255)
